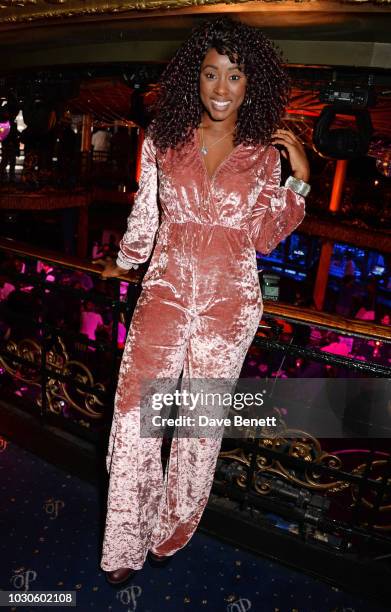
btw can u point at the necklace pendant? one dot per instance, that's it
(204, 150)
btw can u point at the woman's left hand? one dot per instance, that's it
(294, 152)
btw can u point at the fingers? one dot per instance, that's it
(286, 137)
(115, 272)
(284, 143)
(105, 274)
(283, 132)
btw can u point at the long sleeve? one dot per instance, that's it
(277, 211)
(143, 221)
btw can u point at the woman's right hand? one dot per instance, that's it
(111, 270)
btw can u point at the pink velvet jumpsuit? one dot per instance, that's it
(199, 310)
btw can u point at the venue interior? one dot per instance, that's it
(297, 520)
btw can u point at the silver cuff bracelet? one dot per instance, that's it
(123, 263)
(297, 185)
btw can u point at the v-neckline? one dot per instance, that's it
(201, 155)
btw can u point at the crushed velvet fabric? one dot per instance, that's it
(198, 311)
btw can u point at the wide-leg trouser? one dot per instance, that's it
(146, 509)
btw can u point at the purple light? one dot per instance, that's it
(5, 129)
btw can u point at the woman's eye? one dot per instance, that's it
(232, 77)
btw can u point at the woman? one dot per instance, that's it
(209, 157)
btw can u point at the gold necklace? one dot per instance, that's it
(204, 150)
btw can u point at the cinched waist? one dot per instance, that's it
(207, 223)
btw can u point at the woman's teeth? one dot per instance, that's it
(220, 105)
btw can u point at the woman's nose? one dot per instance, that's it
(221, 87)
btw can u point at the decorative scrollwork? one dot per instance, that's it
(59, 394)
(32, 10)
(297, 444)
(17, 3)
(375, 465)
(27, 349)
(80, 373)
(303, 446)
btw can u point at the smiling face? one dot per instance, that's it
(222, 86)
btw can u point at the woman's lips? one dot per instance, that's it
(219, 105)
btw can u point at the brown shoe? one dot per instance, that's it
(157, 560)
(120, 576)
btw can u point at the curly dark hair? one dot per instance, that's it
(178, 109)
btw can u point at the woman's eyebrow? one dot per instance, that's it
(216, 67)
